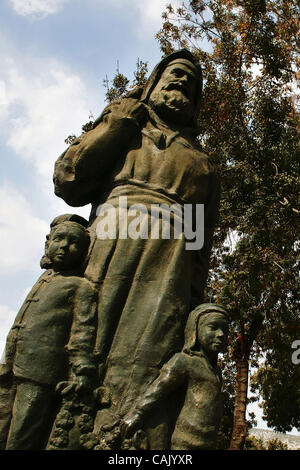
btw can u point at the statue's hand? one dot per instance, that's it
(130, 423)
(83, 383)
(79, 384)
(134, 109)
(65, 387)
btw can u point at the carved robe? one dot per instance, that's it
(53, 332)
(146, 286)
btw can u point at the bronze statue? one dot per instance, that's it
(53, 333)
(143, 151)
(195, 369)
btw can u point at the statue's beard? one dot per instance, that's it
(172, 105)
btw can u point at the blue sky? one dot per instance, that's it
(54, 55)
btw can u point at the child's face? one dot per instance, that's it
(213, 332)
(66, 247)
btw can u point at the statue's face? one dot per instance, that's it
(66, 247)
(173, 98)
(213, 332)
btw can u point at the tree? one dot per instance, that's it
(118, 88)
(120, 83)
(281, 403)
(250, 126)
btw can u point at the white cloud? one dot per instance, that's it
(37, 8)
(151, 13)
(22, 233)
(42, 104)
(2, 93)
(149, 20)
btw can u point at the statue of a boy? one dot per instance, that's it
(53, 332)
(196, 370)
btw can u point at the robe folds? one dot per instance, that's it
(146, 285)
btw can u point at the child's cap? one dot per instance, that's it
(69, 218)
(60, 219)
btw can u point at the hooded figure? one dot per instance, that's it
(190, 334)
(184, 57)
(140, 167)
(194, 375)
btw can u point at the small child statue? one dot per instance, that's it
(53, 333)
(195, 369)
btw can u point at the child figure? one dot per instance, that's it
(53, 332)
(195, 368)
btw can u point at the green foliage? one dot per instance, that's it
(281, 402)
(252, 443)
(120, 84)
(226, 424)
(250, 126)
(70, 139)
(140, 74)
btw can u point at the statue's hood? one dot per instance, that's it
(160, 67)
(143, 93)
(190, 334)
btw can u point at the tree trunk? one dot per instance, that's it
(239, 432)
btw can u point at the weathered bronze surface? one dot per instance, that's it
(143, 149)
(53, 333)
(194, 370)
